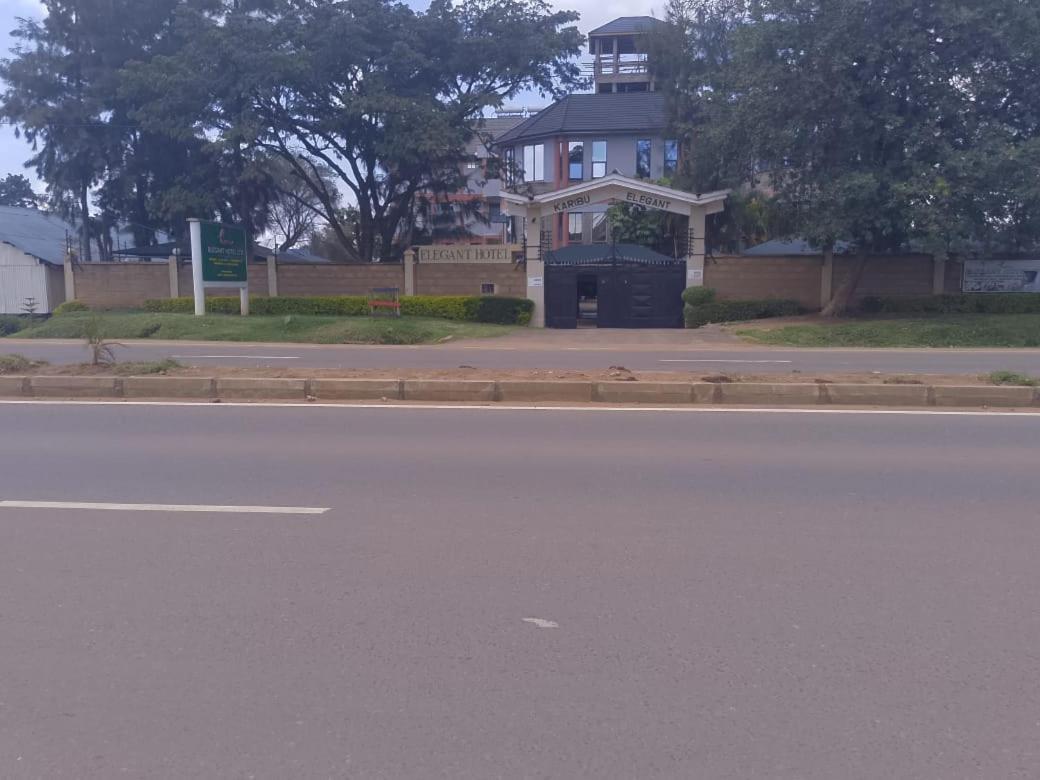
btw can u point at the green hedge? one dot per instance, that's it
(735, 311)
(466, 308)
(70, 307)
(698, 296)
(12, 323)
(967, 303)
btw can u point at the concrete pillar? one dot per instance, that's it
(171, 266)
(535, 268)
(70, 278)
(827, 279)
(409, 272)
(272, 275)
(697, 249)
(938, 275)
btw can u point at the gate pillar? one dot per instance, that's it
(696, 248)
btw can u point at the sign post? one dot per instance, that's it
(219, 258)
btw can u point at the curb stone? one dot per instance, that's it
(486, 391)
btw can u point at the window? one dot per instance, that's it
(643, 158)
(510, 165)
(599, 159)
(534, 162)
(471, 166)
(576, 161)
(487, 288)
(671, 157)
(574, 228)
(599, 229)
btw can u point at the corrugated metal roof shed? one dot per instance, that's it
(36, 233)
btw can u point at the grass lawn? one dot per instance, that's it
(298, 328)
(941, 330)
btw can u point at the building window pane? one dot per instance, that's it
(510, 165)
(574, 228)
(643, 158)
(487, 288)
(599, 159)
(599, 229)
(534, 162)
(576, 161)
(671, 157)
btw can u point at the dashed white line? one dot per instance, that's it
(541, 622)
(713, 360)
(234, 357)
(208, 508)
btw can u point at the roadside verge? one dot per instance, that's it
(215, 389)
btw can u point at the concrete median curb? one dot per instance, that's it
(518, 391)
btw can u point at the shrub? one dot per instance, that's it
(17, 364)
(11, 324)
(965, 303)
(464, 308)
(735, 311)
(70, 307)
(1013, 378)
(698, 296)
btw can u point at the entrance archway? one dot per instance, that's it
(656, 297)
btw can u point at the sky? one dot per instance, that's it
(14, 152)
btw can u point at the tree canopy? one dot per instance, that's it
(889, 124)
(151, 111)
(16, 190)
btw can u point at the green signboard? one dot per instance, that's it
(223, 253)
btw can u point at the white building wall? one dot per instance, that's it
(22, 276)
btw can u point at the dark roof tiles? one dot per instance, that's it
(614, 112)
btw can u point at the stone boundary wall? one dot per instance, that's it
(801, 278)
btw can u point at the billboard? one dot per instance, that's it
(223, 253)
(1001, 276)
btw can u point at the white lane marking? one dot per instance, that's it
(712, 360)
(106, 507)
(234, 357)
(433, 407)
(541, 623)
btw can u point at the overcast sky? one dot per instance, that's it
(13, 152)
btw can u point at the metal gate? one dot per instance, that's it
(633, 289)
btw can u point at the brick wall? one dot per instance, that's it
(900, 276)
(257, 276)
(745, 278)
(465, 279)
(338, 279)
(121, 285)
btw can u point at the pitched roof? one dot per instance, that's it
(492, 127)
(792, 247)
(628, 25)
(611, 112)
(36, 233)
(589, 254)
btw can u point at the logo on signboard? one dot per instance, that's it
(223, 253)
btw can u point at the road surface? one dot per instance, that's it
(517, 594)
(516, 355)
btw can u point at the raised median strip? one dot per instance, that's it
(518, 391)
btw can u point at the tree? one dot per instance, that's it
(15, 190)
(382, 97)
(884, 123)
(294, 210)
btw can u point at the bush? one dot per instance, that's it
(698, 296)
(464, 308)
(11, 324)
(1013, 378)
(70, 307)
(735, 311)
(17, 364)
(965, 303)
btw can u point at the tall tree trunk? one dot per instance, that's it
(84, 218)
(841, 297)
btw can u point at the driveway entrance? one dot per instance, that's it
(613, 286)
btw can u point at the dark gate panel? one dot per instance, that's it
(561, 296)
(632, 291)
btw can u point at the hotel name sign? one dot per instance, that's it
(625, 195)
(447, 253)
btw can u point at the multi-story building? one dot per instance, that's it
(619, 128)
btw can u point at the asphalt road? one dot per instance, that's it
(735, 359)
(734, 595)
